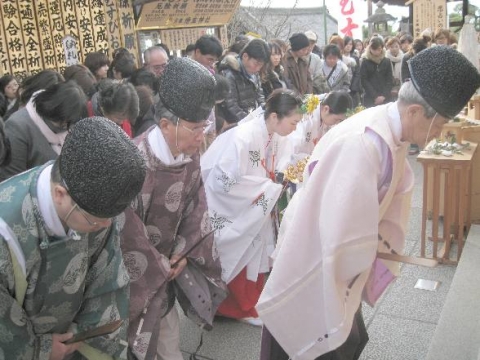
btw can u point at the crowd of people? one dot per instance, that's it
(129, 190)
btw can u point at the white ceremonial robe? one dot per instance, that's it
(307, 134)
(331, 234)
(241, 195)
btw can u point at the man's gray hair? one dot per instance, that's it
(147, 53)
(162, 112)
(409, 95)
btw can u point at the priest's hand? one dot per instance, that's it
(175, 271)
(61, 350)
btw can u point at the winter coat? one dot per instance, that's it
(338, 81)
(273, 81)
(297, 72)
(246, 93)
(405, 71)
(355, 83)
(377, 78)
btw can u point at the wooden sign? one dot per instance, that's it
(186, 13)
(70, 49)
(57, 30)
(32, 33)
(45, 34)
(14, 42)
(224, 36)
(127, 26)
(430, 14)
(179, 39)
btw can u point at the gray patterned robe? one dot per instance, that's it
(169, 217)
(72, 283)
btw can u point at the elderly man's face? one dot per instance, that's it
(158, 63)
(418, 129)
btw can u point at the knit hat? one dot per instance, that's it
(444, 78)
(101, 168)
(187, 89)
(311, 36)
(299, 41)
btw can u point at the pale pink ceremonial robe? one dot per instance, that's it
(331, 233)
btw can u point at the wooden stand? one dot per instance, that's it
(455, 190)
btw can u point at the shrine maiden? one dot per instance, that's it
(239, 171)
(331, 110)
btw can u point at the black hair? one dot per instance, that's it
(122, 51)
(3, 105)
(346, 40)
(282, 102)
(419, 44)
(118, 98)
(62, 103)
(222, 87)
(275, 48)
(145, 100)
(209, 45)
(257, 49)
(190, 48)
(83, 77)
(406, 38)
(144, 77)
(338, 101)
(124, 64)
(237, 46)
(4, 81)
(376, 43)
(96, 60)
(332, 49)
(42, 80)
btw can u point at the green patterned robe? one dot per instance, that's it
(72, 284)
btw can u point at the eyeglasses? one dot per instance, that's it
(160, 67)
(197, 130)
(84, 214)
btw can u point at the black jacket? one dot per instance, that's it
(245, 94)
(377, 80)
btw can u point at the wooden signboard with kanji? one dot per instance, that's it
(49, 34)
(429, 14)
(186, 13)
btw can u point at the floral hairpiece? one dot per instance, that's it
(310, 103)
(356, 110)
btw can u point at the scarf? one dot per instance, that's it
(335, 75)
(396, 62)
(376, 59)
(394, 59)
(55, 140)
(127, 127)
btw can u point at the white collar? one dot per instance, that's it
(161, 150)
(45, 201)
(394, 121)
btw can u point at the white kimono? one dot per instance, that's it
(308, 133)
(332, 230)
(241, 195)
